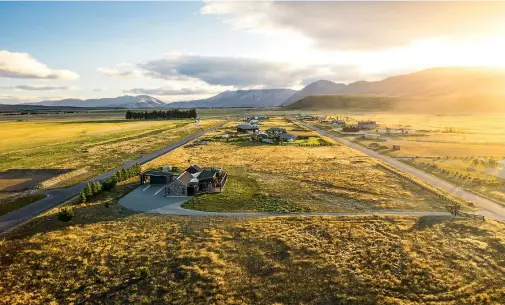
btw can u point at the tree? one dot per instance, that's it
(82, 197)
(88, 192)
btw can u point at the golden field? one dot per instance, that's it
(108, 255)
(291, 178)
(95, 144)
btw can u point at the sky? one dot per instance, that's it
(179, 51)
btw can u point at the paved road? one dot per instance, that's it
(488, 207)
(57, 196)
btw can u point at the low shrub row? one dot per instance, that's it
(94, 188)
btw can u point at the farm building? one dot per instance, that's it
(367, 124)
(246, 127)
(195, 180)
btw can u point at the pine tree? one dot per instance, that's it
(88, 192)
(82, 197)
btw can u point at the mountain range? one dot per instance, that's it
(470, 87)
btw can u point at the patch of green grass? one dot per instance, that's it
(12, 205)
(242, 194)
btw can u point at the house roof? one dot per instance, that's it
(246, 126)
(276, 129)
(206, 174)
(285, 136)
(156, 173)
(194, 169)
(185, 178)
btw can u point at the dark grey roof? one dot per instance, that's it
(285, 136)
(193, 169)
(206, 174)
(156, 173)
(274, 129)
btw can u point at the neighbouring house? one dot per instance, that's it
(501, 162)
(367, 124)
(253, 122)
(275, 130)
(372, 136)
(338, 123)
(262, 118)
(156, 177)
(284, 137)
(247, 128)
(195, 180)
(396, 147)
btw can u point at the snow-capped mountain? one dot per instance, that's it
(126, 101)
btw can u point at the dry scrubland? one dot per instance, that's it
(108, 255)
(291, 178)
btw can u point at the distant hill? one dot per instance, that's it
(315, 88)
(439, 89)
(240, 98)
(139, 101)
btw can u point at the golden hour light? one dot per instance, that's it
(252, 152)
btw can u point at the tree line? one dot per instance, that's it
(94, 188)
(160, 114)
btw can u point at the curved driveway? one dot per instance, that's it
(488, 207)
(57, 196)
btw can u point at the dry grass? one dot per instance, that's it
(113, 256)
(289, 178)
(97, 144)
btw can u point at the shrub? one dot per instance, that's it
(66, 214)
(144, 272)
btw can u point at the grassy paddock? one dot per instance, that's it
(291, 178)
(109, 255)
(97, 144)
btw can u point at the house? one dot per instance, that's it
(396, 147)
(195, 180)
(284, 137)
(253, 122)
(338, 123)
(262, 118)
(275, 130)
(367, 124)
(246, 127)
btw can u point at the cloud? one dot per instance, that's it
(120, 73)
(334, 25)
(37, 87)
(23, 65)
(235, 71)
(167, 91)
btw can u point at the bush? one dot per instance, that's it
(82, 197)
(66, 214)
(144, 272)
